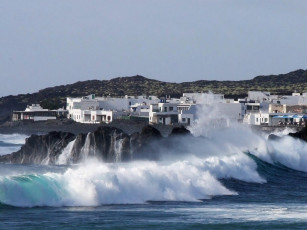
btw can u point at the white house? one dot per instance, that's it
(163, 113)
(35, 112)
(187, 113)
(92, 109)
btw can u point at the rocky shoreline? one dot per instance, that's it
(108, 144)
(63, 142)
(65, 125)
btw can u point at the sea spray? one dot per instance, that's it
(290, 152)
(85, 151)
(118, 146)
(224, 138)
(209, 116)
(66, 155)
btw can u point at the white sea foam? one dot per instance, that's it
(93, 184)
(247, 212)
(234, 138)
(65, 157)
(186, 177)
(290, 152)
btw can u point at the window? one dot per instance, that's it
(171, 108)
(165, 109)
(256, 119)
(183, 119)
(256, 107)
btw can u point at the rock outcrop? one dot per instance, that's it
(108, 144)
(178, 131)
(300, 134)
(40, 149)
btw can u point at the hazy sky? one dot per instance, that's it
(53, 42)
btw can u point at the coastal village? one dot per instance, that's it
(258, 108)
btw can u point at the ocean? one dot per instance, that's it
(231, 179)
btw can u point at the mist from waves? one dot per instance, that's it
(190, 176)
(190, 171)
(11, 143)
(225, 136)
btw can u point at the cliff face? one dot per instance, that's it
(300, 134)
(108, 144)
(40, 149)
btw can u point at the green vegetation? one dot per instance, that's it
(55, 97)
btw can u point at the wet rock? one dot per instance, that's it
(302, 134)
(40, 149)
(180, 131)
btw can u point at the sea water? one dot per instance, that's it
(231, 179)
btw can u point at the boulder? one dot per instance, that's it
(302, 134)
(40, 149)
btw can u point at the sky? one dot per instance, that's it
(44, 43)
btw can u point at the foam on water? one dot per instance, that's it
(219, 153)
(232, 137)
(252, 213)
(93, 184)
(290, 152)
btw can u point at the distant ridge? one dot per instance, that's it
(54, 97)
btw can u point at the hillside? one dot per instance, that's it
(55, 97)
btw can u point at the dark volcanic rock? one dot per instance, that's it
(145, 145)
(300, 134)
(180, 131)
(108, 144)
(149, 133)
(40, 149)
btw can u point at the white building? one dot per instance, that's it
(269, 109)
(35, 112)
(165, 113)
(192, 105)
(92, 109)
(187, 113)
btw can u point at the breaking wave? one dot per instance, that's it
(93, 184)
(229, 153)
(191, 174)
